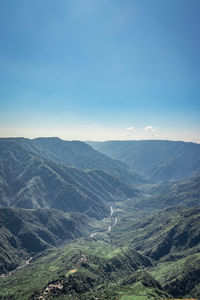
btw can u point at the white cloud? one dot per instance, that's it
(149, 128)
(130, 129)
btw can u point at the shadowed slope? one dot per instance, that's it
(156, 160)
(24, 233)
(28, 181)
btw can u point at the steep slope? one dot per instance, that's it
(24, 233)
(75, 154)
(167, 264)
(82, 156)
(81, 272)
(166, 235)
(28, 181)
(180, 278)
(165, 195)
(157, 160)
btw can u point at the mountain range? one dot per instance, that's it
(72, 153)
(28, 180)
(157, 161)
(76, 223)
(24, 233)
(179, 193)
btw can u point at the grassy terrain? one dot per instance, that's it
(168, 234)
(147, 248)
(85, 268)
(180, 277)
(24, 233)
(108, 266)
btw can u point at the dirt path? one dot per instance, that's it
(20, 267)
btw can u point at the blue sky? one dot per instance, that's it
(100, 69)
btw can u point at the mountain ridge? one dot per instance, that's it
(158, 160)
(30, 181)
(76, 154)
(25, 232)
(123, 241)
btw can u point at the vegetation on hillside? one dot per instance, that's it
(72, 228)
(24, 233)
(157, 160)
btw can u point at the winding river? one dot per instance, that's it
(110, 226)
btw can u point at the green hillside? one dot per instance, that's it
(24, 233)
(156, 257)
(29, 181)
(156, 160)
(71, 227)
(71, 153)
(166, 235)
(84, 269)
(170, 194)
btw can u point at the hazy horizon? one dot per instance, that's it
(100, 70)
(94, 140)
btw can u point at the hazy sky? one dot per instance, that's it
(100, 69)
